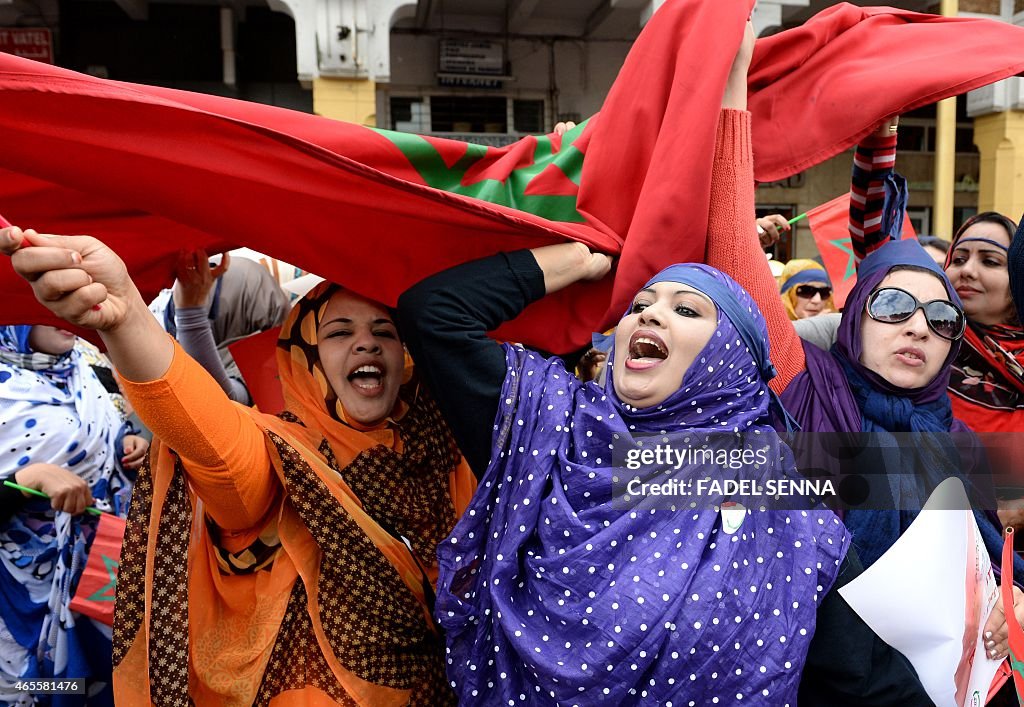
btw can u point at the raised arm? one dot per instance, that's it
(732, 241)
(445, 319)
(877, 194)
(82, 281)
(195, 280)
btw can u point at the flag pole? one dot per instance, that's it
(26, 489)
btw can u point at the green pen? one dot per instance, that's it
(26, 489)
(760, 231)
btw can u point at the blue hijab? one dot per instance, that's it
(552, 590)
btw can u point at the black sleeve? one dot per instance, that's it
(848, 665)
(444, 321)
(11, 501)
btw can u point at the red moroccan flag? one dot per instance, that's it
(97, 586)
(829, 225)
(1016, 635)
(152, 170)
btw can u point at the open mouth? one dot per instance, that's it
(646, 349)
(367, 378)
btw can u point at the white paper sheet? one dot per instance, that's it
(929, 597)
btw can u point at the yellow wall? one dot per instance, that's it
(1000, 139)
(351, 100)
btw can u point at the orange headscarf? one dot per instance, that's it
(330, 602)
(798, 265)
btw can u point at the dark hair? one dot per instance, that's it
(935, 242)
(987, 217)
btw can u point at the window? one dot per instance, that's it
(961, 214)
(965, 140)
(921, 220)
(912, 138)
(528, 116)
(409, 115)
(468, 114)
(920, 136)
(492, 120)
(783, 250)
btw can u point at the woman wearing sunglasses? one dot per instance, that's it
(806, 290)
(887, 375)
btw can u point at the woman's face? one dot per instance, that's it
(362, 356)
(907, 354)
(51, 340)
(979, 274)
(809, 306)
(667, 327)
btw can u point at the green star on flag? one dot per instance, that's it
(107, 591)
(844, 245)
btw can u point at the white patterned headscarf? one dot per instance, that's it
(54, 410)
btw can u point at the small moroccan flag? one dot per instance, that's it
(1016, 634)
(97, 586)
(829, 226)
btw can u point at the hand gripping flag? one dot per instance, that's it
(151, 170)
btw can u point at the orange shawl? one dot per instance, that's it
(330, 601)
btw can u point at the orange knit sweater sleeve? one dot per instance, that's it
(221, 447)
(733, 246)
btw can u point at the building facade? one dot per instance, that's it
(489, 71)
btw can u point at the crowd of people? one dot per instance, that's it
(451, 532)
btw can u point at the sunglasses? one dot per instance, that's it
(808, 291)
(891, 305)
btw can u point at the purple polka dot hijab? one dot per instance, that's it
(727, 386)
(551, 594)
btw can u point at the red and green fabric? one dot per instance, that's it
(94, 595)
(1014, 631)
(829, 226)
(152, 170)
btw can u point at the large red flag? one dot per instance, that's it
(829, 224)
(153, 170)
